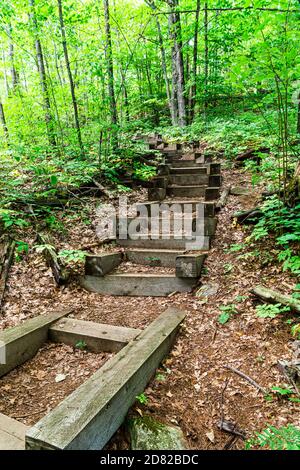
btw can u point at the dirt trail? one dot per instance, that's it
(188, 390)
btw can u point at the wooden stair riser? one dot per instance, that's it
(139, 285)
(205, 208)
(186, 191)
(189, 179)
(163, 258)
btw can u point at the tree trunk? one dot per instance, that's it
(72, 87)
(177, 59)
(163, 57)
(193, 90)
(5, 72)
(205, 56)
(43, 78)
(14, 73)
(3, 122)
(298, 115)
(110, 68)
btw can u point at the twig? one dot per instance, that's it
(231, 428)
(222, 399)
(247, 378)
(229, 444)
(29, 414)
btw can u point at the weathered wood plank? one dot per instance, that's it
(98, 337)
(189, 265)
(6, 258)
(143, 285)
(12, 434)
(88, 418)
(22, 342)
(165, 258)
(99, 265)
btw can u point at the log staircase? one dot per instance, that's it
(187, 182)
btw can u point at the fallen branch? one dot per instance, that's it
(291, 371)
(223, 198)
(60, 273)
(269, 295)
(7, 256)
(231, 428)
(250, 216)
(247, 378)
(103, 189)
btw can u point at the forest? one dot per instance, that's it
(178, 101)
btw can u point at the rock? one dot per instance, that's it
(291, 369)
(239, 191)
(207, 290)
(148, 434)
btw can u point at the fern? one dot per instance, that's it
(284, 438)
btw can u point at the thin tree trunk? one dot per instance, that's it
(298, 115)
(14, 73)
(5, 72)
(205, 56)
(3, 122)
(177, 57)
(163, 57)
(43, 78)
(193, 90)
(72, 88)
(110, 68)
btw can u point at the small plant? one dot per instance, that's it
(142, 399)
(228, 267)
(160, 377)
(227, 312)
(283, 438)
(241, 298)
(22, 248)
(72, 256)
(81, 345)
(235, 247)
(271, 311)
(282, 392)
(295, 330)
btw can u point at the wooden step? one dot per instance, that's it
(154, 227)
(12, 434)
(98, 337)
(208, 207)
(164, 258)
(91, 415)
(186, 191)
(188, 180)
(188, 170)
(164, 244)
(140, 285)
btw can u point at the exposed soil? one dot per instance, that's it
(193, 380)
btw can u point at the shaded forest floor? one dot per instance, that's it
(192, 389)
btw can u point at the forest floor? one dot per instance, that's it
(192, 389)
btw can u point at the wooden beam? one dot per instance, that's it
(12, 434)
(22, 342)
(89, 417)
(99, 265)
(189, 265)
(97, 337)
(275, 297)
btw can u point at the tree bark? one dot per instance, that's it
(275, 297)
(177, 63)
(193, 90)
(163, 57)
(110, 67)
(205, 56)
(15, 79)
(3, 122)
(72, 87)
(43, 77)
